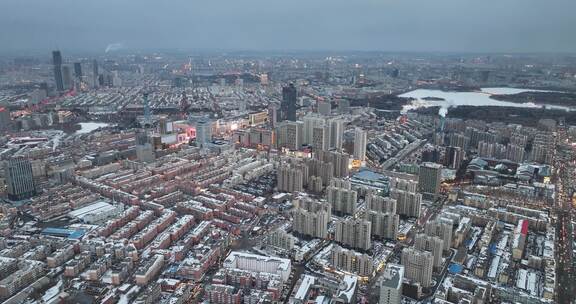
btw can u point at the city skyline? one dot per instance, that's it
(259, 152)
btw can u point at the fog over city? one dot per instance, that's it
(374, 25)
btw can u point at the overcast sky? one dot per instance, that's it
(379, 25)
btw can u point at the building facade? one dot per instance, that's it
(288, 105)
(432, 244)
(418, 266)
(429, 178)
(351, 261)
(354, 233)
(311, 218)
(19, 178)
(360, 142)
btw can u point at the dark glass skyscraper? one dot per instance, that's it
(78, 70)
(57, 62)
(19, 178)
(67, 78)
(95, 72)
(288, 105)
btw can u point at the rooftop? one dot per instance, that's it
(393, 275)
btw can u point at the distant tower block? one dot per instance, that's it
(147, 113)
(184, 104)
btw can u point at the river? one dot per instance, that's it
(477, 98)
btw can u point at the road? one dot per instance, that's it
(563, 178)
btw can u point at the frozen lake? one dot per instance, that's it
(478, 98)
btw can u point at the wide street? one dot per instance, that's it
(564, 179)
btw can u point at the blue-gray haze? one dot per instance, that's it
(384, 25)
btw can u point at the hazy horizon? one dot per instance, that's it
(418, 26)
